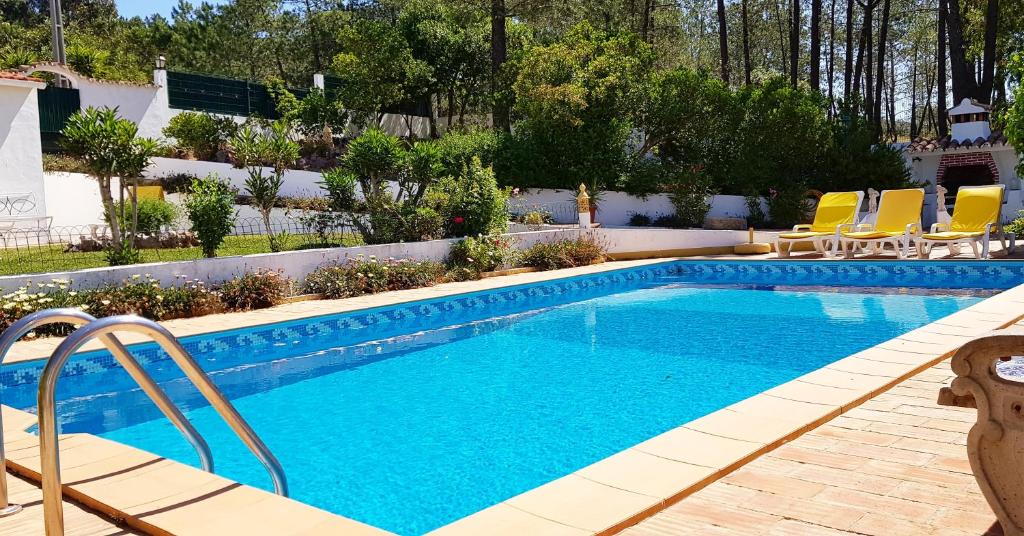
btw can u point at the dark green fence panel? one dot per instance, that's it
(213, 94)
(56, 104)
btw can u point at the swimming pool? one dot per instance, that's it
(411, 416)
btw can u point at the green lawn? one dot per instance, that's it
(41, 259)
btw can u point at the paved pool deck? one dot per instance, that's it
(652, 486)
(895, 465)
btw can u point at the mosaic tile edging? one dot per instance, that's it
(498, 302)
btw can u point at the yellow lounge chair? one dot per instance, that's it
(835, 210)
(975, 218)
(897, 222)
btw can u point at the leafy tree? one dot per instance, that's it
(453, 41)
(689, 120)
(782, 138)
(377, 70)
(317, 116)
(273, 148)
(855, 161)
(576, 102)
(1014, 117)
(110, 147)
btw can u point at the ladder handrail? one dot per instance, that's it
(53, 510)
(77, 317)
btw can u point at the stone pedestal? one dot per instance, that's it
(995, 444)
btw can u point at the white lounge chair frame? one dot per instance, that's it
(925, 245)
(819, 242)
(900, 244)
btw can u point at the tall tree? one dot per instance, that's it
(723, 41)
(794, 42)
(972, 77)
(848, 59)
(941, 126)
(831, 62)
(883, 35)
(746, 43)
(815, 75)
(499, 55)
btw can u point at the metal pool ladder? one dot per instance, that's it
(103, 329)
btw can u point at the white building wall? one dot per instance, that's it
(146, 106)
(21, 160)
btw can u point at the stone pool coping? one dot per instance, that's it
(41, 348)
(166, 497)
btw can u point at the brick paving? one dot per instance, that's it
(894, 466)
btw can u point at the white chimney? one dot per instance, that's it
(970, 121)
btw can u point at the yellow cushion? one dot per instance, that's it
(975, 208)
(835, 209)
(871, 235)
(151, 192)
(950, 235)
(899, 208)
(804, 234)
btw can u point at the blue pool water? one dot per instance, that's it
(446, 414)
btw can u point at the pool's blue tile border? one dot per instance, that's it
(369, 324)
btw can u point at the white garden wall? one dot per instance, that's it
(642, 239)
(297, 183)
(21, 162)
(615, 208)
(296, 264)
(74, 198)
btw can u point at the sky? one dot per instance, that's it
(144, 8)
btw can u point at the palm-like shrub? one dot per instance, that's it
(110, 146)
(275, 149)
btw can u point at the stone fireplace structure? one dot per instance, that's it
(971, 155)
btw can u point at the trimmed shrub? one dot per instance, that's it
(1017, 225)
(154, 214)
(483, 254)
(639, 220)
(211, 209)
(200, 135)
(670, 221)
(564, 254)
(190, 299)
(472, 203)
(362, 276)
(64, 163)
(788, 206)
(691, 196)
(458, 149)
(255, 290)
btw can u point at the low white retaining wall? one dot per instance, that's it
(296, 264)
(615, 208)
(641, 239)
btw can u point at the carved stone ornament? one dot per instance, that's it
(995, 444)
(872, 200)
(583, 200)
